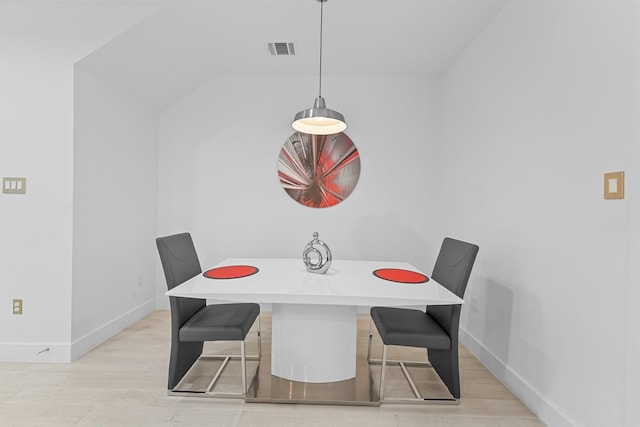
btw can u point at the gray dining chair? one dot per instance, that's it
(193, 321)
(435, 329)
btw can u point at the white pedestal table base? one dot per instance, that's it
(314, 343)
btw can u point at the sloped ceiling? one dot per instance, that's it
(188, 41)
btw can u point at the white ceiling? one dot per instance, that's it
(189, 41)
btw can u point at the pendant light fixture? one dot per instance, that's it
(319, 120)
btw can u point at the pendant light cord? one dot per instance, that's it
(320, 79)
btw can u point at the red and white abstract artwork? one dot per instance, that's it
(319, 170)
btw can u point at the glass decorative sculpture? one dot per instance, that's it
(316, 256)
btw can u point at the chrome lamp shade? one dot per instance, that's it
(319, 120)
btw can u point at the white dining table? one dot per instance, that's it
(314, 316)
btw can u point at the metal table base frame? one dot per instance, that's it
(358, 391)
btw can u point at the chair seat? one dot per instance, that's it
(220, 322)
(408, 327)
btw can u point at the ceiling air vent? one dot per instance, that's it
(282, 49)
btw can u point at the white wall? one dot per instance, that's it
(532, 115)
(114, 211)
(632, 370)
(218, 170)
(534, 112)
(38, 47)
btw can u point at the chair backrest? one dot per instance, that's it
(179, 258)
(180, 263)
(452, 270)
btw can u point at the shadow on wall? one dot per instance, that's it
(504, 315)
(498, 312)
(387, 238)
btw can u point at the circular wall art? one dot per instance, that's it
(319, 170)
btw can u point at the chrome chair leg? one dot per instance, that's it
(382, 370)
(244, 370)
(370, 339)
(176, 391)
(402, 364)
(259, 338)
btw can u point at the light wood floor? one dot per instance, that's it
(123, 383)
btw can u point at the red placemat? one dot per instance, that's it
(230, 272)
(400, 276)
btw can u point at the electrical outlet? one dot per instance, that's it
(474, 304)
(17, 306)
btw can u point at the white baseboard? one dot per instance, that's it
(548, 413)
(61, 352)
(44, 352)
(98, 336)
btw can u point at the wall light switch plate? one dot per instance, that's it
(14, 185)
(614, 185)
